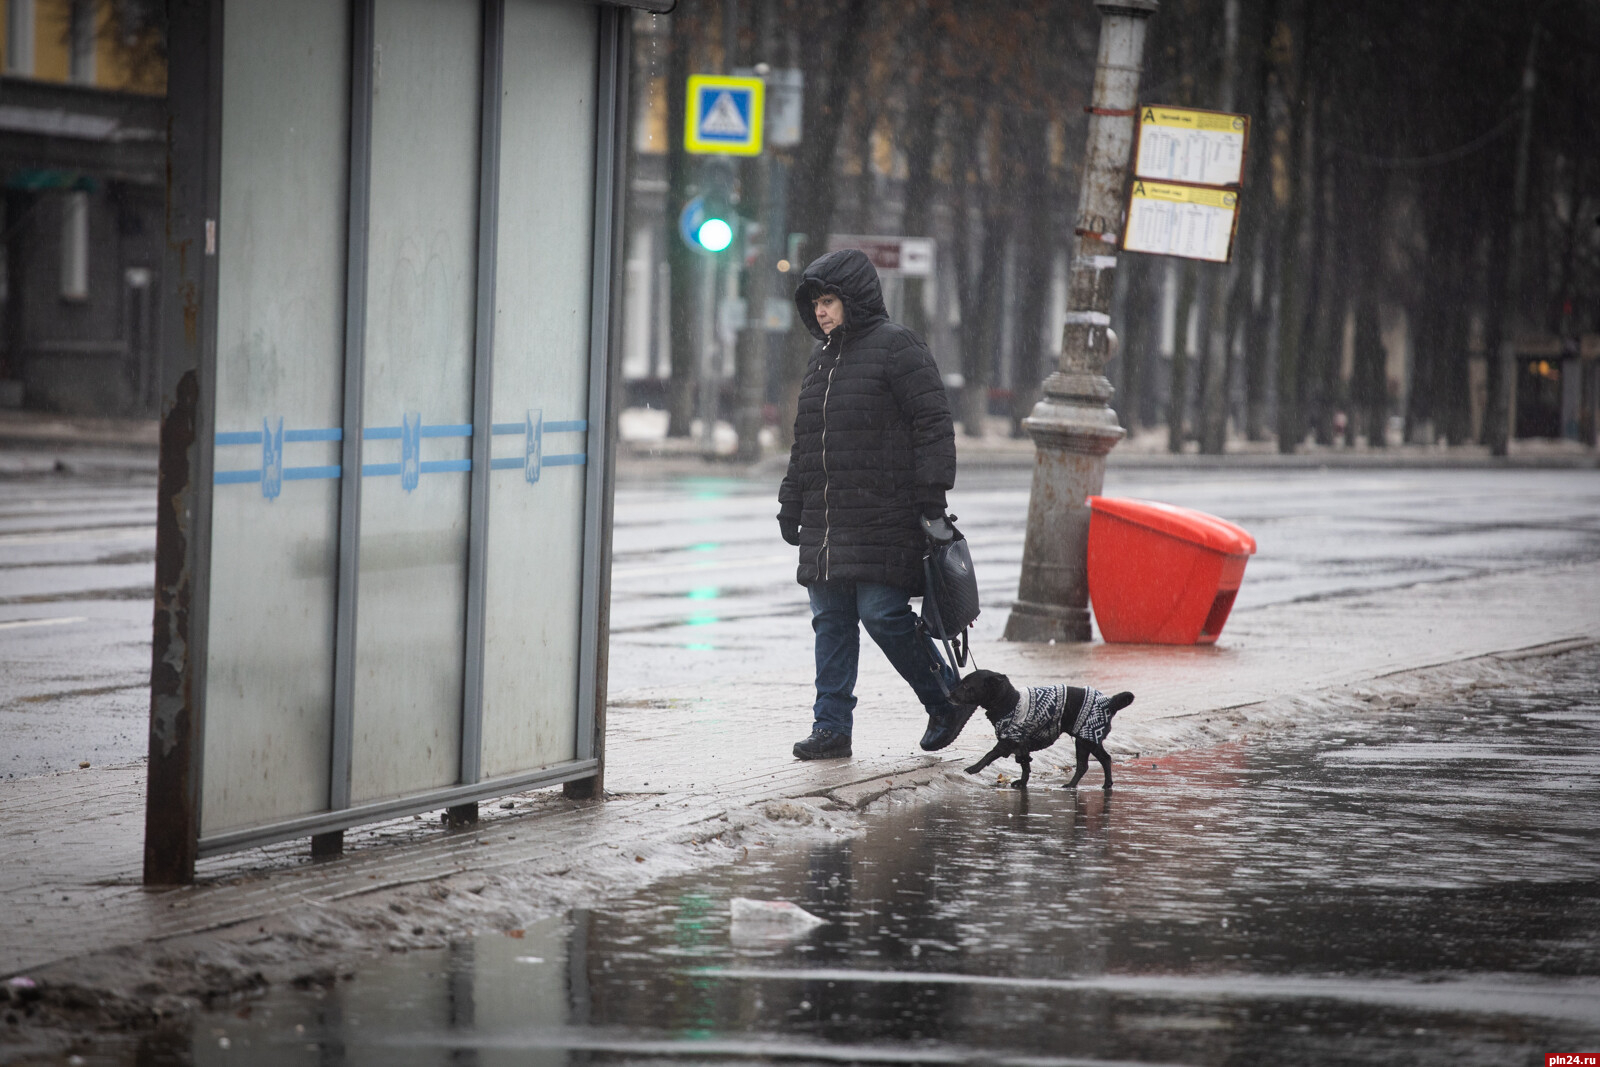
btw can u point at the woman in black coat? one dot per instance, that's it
(874, 454)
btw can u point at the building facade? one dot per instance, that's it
(82, 158)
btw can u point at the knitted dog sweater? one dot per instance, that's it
(1039, 718)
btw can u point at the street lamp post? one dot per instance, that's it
(1072, 426)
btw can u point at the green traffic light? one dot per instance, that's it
(714, 235)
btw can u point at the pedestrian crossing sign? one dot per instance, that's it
(724, 115)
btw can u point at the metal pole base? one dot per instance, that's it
(1071, 435)
(582, 789)
(1044, 623)
(327, 846)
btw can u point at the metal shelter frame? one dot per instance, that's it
(173, 837)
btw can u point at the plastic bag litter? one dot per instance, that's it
(755, 921)
(19, 990)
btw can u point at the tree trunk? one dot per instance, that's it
(1291, 427)
(1428, 314)
(1299, 144)
(1178, 396)
(1253, 303)
(1217, 338)
(1140, 314)
(1258, 334)
(1322, 347)
(1499, 423)
(967, 189)
(856, 215)
(760, 276)
(1217, 309)
(829, 63)
(1454, 271)
(13, 332)
(979, 359)
(1455, 391)
(1368, 384)
(1035, 264)
(1497, 431)
(921, 137)
(1365, 263)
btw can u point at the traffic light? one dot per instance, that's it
(708, 224)
(714, 234)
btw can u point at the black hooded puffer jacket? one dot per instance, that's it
(874, 445)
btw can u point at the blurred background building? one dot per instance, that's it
(83, 159)
(1417, 259)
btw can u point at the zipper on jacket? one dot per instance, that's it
(827, 527)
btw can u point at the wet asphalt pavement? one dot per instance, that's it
(1418, 887)
(1406, 887)
(77, 571)
(702, 583)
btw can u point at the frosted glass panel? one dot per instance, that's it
(418, 398)
(541, 371)
(280, 342)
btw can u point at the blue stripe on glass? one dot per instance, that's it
(253, 437)
(245, 437)
(572, 426)
(392, 433)
(290, 474)
(303, 474)
(395, 433)
(379, 470)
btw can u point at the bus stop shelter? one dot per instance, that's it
(382, 571)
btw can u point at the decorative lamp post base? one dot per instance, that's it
(1072, 430)
(1073, 427)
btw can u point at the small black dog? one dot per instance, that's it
(1024, 723)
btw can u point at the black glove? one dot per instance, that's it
(790, 530)
(938, 529)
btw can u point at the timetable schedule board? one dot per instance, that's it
(1178, 144)
(1174, 219)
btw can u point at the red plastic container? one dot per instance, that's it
(1160, 574)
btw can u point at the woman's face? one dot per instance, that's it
(829, 311)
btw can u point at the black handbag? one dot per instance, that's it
(950, 598)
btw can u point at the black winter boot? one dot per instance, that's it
(945, 725)
(823, 744)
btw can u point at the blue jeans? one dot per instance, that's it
(836, 608)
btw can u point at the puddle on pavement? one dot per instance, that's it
(1419, 887)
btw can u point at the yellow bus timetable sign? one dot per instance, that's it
(1181, 144)
(1172, 219)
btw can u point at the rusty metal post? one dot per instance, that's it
(1500, 425)
(188, 364)
(593, 788)
(1072, 426)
